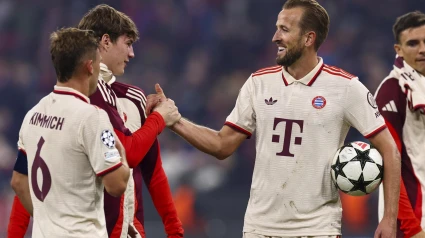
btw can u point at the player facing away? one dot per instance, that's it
(125, 105)
(401, 101)
(67, 147)
(301, 111)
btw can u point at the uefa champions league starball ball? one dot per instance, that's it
(357, 168)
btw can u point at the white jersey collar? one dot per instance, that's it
(70, 91)
(106, 74)
(306, 80)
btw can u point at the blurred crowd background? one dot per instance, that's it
(201, 52)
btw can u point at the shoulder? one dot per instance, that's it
(338, 73)
(127, 90)
(389, 85)
(269, 71)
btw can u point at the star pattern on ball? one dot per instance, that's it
(360, 184)
(362, 157)
(337, 168)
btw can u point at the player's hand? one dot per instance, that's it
(132, 232)
(154, 99)
(386, 228)
(421, 234)
(168, 111)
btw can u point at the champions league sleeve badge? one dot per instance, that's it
(108, 139)
(371, 100)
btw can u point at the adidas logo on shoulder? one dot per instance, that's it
(390, 107)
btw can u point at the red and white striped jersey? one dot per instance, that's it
(69, 145)
(408, 130)
(299, 126)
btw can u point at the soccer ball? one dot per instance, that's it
(357, 168)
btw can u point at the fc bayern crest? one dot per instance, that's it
(318, 102)
(108, 139)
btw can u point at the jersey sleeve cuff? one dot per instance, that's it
(238, 128)
(108, 170)
(21, 164)
(376, 131)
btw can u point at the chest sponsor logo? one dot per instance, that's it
(318, 102)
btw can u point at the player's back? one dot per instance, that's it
(66, 193)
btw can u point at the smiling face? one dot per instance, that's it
(288, 36)
(117, 55)
(411, 47)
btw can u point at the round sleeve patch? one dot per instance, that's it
(108, 139)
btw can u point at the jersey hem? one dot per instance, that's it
(291, 234)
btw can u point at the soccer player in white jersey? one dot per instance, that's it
(301, 111)
(69, 147)
(401, 101)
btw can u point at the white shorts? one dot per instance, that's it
(252, 235)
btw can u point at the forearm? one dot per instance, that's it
(392, 173)
(25, 198)
(203, 138)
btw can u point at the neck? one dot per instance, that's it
(106, 75)
(78, 84)
(304, 65)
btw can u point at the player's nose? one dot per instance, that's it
(131, 52)
(276, 37)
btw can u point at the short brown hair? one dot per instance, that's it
(68, 47)
(315, 18)
(406, 21)
(104, 19)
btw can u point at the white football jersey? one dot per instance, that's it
(299, 126)
(69, 145)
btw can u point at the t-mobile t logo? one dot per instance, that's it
(288, 132)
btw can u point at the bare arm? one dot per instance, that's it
(21, 187)
(220, 144)
(385, 144)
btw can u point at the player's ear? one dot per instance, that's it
(89, 66)
(310, 37)
(105, 42)
(397, 48)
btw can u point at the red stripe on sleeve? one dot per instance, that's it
(19, 220)
(375, 132)
(238, 128)
(110, 169)
(138, 144)
(394, 134)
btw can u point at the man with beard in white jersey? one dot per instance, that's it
(67, 149)
(301, 111)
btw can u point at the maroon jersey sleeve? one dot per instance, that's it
(391, 103)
